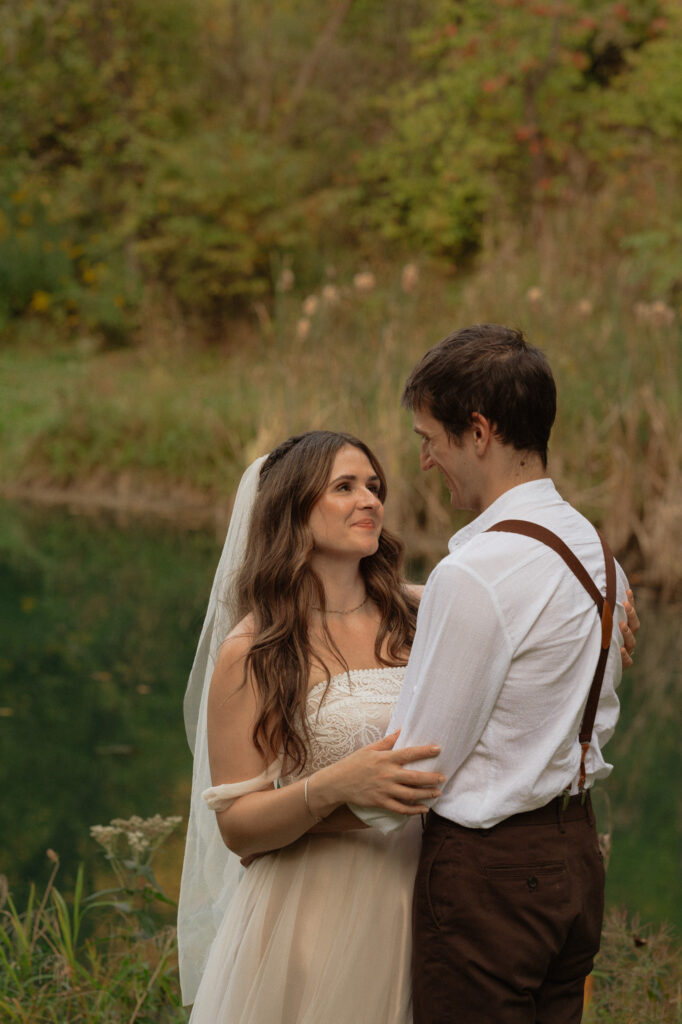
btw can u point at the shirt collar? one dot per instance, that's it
(527, 498)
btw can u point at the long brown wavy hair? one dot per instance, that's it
(279, 587)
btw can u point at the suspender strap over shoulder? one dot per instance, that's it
(605, 607)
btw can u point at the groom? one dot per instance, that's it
(509, 891)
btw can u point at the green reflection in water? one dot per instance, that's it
(98, 628)
(645, 788)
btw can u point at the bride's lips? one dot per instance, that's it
(365, 524)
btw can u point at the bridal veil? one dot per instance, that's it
(210, 872)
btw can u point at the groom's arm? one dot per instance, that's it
(459, 661)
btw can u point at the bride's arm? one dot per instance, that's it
(269, 819)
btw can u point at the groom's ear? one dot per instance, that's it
(482, 431)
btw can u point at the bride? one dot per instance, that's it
(301, 694)
(300, 662)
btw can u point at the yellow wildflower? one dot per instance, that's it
(40, 302)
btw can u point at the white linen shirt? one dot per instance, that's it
(504, 654)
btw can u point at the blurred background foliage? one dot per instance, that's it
(225, 221)
(161, 154)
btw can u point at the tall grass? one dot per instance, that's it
(96, 957)
(637, 977)
(55, 971)
(180, 418)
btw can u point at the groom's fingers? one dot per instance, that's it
(631, 612)
(408, 754)
(387, 743)
(418, 784)
(406, 808)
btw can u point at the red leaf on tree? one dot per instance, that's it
(657, 26)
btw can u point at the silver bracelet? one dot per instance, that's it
(307, 804)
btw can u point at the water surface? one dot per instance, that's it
(98, 624)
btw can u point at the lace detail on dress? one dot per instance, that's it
(354, 709)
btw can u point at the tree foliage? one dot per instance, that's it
(193, 149)
(512, 103)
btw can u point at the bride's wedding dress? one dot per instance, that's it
(320, 931)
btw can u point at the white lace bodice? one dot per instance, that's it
(349, 712)
(354, 709)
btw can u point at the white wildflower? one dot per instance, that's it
(657, 313)
(331, 295)
(409, 279)
(303, 328)
(310, 305)
(662, 315)
(105, 835)
(137, 842)
(365, 281)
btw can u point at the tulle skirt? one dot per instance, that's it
(317, 933)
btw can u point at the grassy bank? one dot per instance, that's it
(109, 956)
(169, 426)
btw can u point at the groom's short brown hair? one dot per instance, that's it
(491, 370)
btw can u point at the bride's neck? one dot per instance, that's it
(343, 584)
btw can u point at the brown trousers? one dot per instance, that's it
(507, 920)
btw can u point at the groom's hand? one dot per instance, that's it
(628, 629)
(379, 776)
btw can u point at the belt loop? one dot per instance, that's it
(560, 803)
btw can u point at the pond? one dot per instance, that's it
(98, 624)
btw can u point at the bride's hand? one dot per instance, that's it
(628, 629)
(377, 776)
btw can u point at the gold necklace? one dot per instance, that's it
(344, 611)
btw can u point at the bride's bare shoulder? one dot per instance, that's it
(228, 673)
(243, 631)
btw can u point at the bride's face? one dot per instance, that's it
(347, 518)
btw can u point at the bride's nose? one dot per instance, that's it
(369, 499)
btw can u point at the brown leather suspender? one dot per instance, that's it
(605, 607)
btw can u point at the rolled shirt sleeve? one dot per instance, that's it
(459, 661)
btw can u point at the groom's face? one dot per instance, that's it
(454, 458)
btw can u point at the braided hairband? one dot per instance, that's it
(280, 452)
